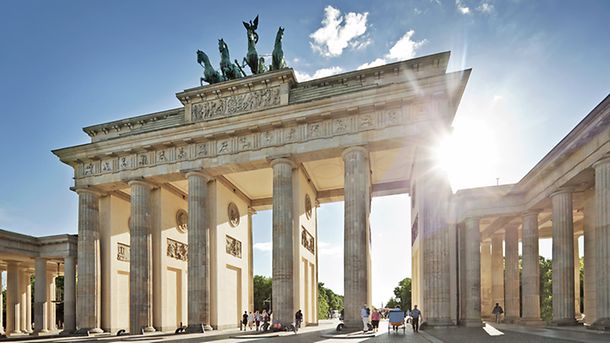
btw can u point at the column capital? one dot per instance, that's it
(198, 172)
(602, 161)
(531, 212)
(251, 211)
(351, 149)
(282, 160)
(561, 190)
(141, 182)
(86, 189)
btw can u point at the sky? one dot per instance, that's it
(538, 68)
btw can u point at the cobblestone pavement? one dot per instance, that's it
(316, 334)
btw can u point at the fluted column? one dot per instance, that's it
(589, 246)
(473, 272)
(23, 292)
(28, 302)
(50, 289)
(40, 294)
(1, 303)
(13, 299)
(497, 268)
(563, 258)
(140, 267)
(69, 294)
(199, 253)
(531, 269)
(283, 237)
(88, 287)
(602, 243)
(512, 299)
(576, 278)
(251, 212)
(486, 274)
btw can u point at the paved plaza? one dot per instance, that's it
(500, 333)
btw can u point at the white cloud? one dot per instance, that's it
(403, 49)
(337, 31)
(323, 72)
(263, 246)
(327, 249)
(485, 7)
(461, 7)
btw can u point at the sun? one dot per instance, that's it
(469, 155)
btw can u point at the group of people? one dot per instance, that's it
(258, 320)
(376, 315)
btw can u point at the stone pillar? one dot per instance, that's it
(589, 246)
(486, 274)
(1, 303)
(140, 266)
(563, 258)
(356, 245)
(497, 268)
(13, 299)
(251, 308)
(602, 243)
(28, 302)
(576, 278)
(199, 253)
(512, 299)
(50, 289)
(473, 273)
(69, 294)
(531, 269)
(40, 301)
(23, 277)
(88, 287)
(283, 237)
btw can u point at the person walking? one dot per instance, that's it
(364, 314)
(250, 320)
(298, 319)
(415, 314)
(375, 317)
(497, 311)
(244, 321)
(257, 319)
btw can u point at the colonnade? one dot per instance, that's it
(504, 284)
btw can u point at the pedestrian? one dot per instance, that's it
(244, 321)
(415, 314)
(298, 319)
(364, 314)
(375, 317)
(497, 311)
(250, 320)
(265, 316)
(257, 319)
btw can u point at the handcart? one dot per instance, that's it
(397, 321)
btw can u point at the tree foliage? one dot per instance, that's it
(402, 295)
(262, 292)
(546, 289)
(327, 301)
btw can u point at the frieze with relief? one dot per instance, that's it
(122, 252)
(236, 104)
(248, 142)
(233, 246)
(177, 250)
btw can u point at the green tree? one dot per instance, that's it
(546, 289)
(403, 293)
(328, 300)
(262, 292)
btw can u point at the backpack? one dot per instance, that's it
(368, 311)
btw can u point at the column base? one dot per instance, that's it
(564, 322)
(88, 331)
(600, 325)
(437, 323)
(196, 328)
(531, 321)
(352, 325)
(472, 323)
(148, 329)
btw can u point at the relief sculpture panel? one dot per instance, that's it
(177, 250)
(236, 104)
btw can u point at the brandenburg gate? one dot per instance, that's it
(166, 199)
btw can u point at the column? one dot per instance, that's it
(577, 313)
(512, 299)
(602, 243)
(140, 266)
(50, 290)
(563, 258)
(356, 221)
(497, 268)
(590, 275)
(199, 253)
(88, 287)
(23, 276)
(28, 302)
(40, 301)
(251, 212)
(13, 299)
(473, 273)
(1, 303)
(531, 269)
(486, 274)
(283, 232)
(69, 294)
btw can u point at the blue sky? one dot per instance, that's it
(538, 68)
